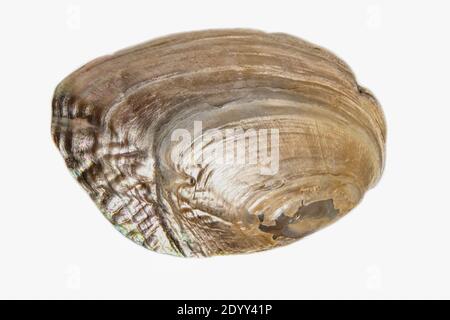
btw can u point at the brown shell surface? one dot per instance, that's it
(113, 121)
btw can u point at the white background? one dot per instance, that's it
(54, 242)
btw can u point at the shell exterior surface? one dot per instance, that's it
(114, 121)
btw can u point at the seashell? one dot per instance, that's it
(220, 142)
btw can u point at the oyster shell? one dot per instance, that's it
(114, 121)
